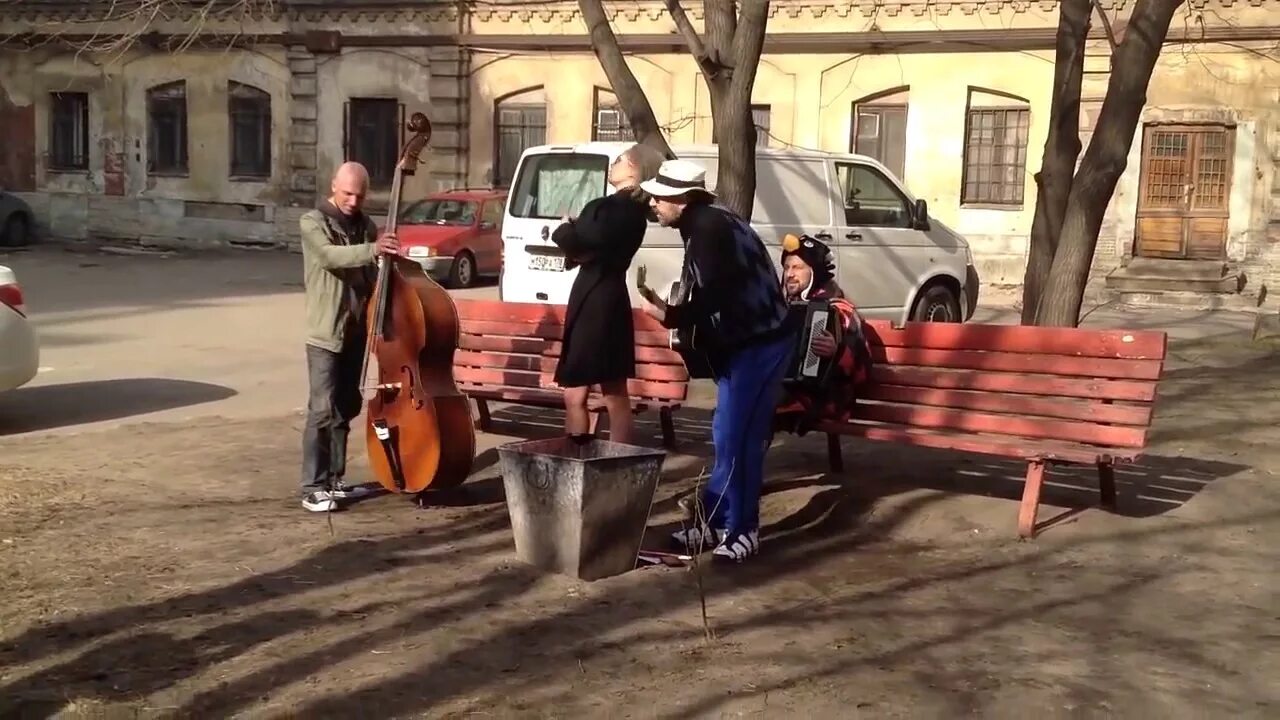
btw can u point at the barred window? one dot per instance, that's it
(995, 156)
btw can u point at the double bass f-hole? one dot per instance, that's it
(419, 431)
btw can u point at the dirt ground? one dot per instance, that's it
(156, 563)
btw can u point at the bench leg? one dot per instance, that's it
(1107, 485)
(482, 407)
(668, 424)
(835, 456)
(1031, 499)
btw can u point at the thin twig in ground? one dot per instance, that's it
(701, 520)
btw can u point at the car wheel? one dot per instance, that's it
(17, 231)
(463, 272)
(938, 303)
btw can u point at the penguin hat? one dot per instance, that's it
(812, 252)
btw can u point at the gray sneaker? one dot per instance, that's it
(319, 501)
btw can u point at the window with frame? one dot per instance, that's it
(249, 113)
(167, 129)
(610, 123)
(68, 131)
(995, 151)
(519, 126)
(372, 137)
(879, 129)
(870, 198)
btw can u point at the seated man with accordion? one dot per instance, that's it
(832, 358)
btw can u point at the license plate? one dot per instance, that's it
(554, 263)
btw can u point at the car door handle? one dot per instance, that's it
(824, 236)
(854, 236)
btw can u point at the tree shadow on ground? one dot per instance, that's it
(1155, 484)
(45, 407)
(133, 652)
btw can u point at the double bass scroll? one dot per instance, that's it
(419, 428)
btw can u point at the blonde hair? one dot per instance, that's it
(647, 161)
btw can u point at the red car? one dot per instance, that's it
(455, 235)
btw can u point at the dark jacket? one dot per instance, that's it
(736, 296)
(599, 334)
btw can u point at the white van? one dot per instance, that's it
(892, 259)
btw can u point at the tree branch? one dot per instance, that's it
(709, 67)
(625, 86)
(1106, 25)
(720, 25)
(748, 43)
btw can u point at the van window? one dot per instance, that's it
(870, 200)
(557, 184)
(791, 193)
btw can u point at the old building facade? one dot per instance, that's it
(227, 140)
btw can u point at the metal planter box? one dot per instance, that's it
(579, 509)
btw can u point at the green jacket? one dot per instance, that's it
(329, 270)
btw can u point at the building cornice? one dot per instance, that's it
(872, 42)
(522, 11)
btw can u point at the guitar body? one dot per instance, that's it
(689, 342)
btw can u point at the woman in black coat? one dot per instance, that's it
(599, 334)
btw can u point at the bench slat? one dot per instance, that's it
(547, 364)
(1077, 342)
(978, 422)
(548, 398)
(516, 378)
(978, 444)
(491, 343)
(497, 310)
(1092, 411)
(549, 331)
(552, 348)
(644, 354)
(1043, 385)
(1021, 363)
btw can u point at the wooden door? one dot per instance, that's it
(1185, 187)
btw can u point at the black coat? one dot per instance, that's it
(599, 333)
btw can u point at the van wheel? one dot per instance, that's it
(463, 272)
(938, 303)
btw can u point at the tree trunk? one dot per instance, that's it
(1104, 161)
(734, 45)
(1061, 149)
(625, 86)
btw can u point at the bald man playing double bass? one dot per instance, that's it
(339, 254)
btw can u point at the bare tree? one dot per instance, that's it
(121, 24)
(1070, 206)
(728, 56)
(625, 86)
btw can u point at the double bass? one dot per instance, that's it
(419, 428)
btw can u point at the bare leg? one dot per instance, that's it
(618, 403)
(577, 421)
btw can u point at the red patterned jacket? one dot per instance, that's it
(853, 367)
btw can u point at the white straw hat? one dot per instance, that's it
(675, 178)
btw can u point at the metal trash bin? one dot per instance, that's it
(579, 509)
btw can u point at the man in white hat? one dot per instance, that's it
(737, 310)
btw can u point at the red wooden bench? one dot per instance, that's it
(1044, 395)
(507, 352)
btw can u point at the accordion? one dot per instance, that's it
(807, 319)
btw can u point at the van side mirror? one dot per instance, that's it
(920, 216)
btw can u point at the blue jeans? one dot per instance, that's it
(746, 397)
